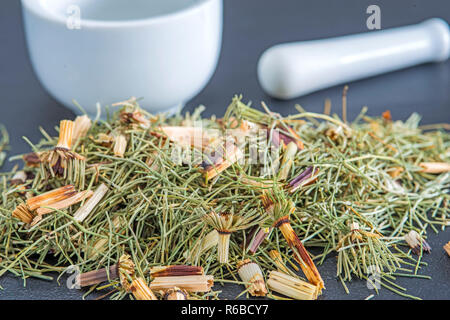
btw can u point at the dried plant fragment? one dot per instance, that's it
(222, 160)
(226, 223)
(434, 167)
(358, 247)
(61, 161)
(126, 271)
(141, 291)
(305, 178)
(288, 160)
(120, 145)
(198, 283)
(97, 276)
(203, 245)
(20, 177)
(251, 273)
(256, 236)
(175, 271)
(82, 124)
(23, 213)
(197, 137)
(51, 197)
(292, 287)
(32, 159)
(447, 248)
(416, 242)
(279, 208)
(134, 117)
(175, 294)
(63, 204)
(278, 261)
(83, 212)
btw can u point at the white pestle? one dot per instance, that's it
(290, 70)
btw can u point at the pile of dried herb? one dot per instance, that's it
(161, 208)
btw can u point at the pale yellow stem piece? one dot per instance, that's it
(292, 287)
(82, 213)
(201, 283)
(141, 291)
(435, 167)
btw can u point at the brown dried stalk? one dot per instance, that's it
(251, 274)
(141, 291)
(292, 287)
(175, 271)
(257, 236)
(198, 283)
(98, 276)
(50, 197)
(23, 213)
(280, 208)
(77, 197)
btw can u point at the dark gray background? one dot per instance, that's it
(251, 26)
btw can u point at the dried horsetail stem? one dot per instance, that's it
(196, 283)
(51, 197)
(359, 248)
(126, 271)
(278, 261)
(120, 145)
(175, 294)
(416, 242)
(100, 245)
(288, 160)
(65, 203)
(175, 271)
(435, 167)
(226, 223)
(83, 212)
(23, 213)
(256, 235)
(223, 160)
(98, 276)
(251, 274)
(279, 208)
(81, 126)
(292, 287)
(61, 161)
(141, 291)
(305, 178)
(203, 245)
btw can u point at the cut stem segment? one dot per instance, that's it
(300, 254)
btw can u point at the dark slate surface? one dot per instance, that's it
(251, 26)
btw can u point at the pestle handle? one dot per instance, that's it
(290, 70)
